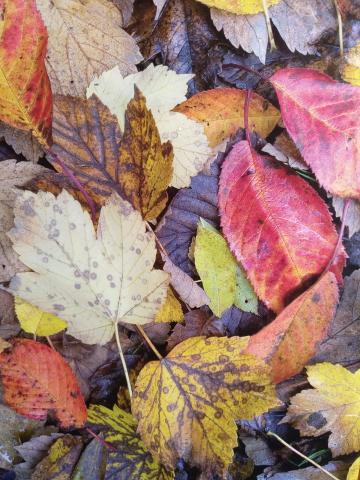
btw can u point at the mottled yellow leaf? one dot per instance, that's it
(171, 310)
(240, 7)
(131, 460)
(351, 69)
(354, 470)
(35, 321)
(145, 165)
(332, 406)
(92, 281)
(187, 403)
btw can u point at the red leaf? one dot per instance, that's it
(25, 92)
(38, 381)
(277, 226)
(290, 341)
(323, 118)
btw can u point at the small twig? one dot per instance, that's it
(268, 25)
(340, 25)
(246, 115)
(279, 439)
(101, 440)
(50, 343)
(148, 341)
(159, 244)
(247, 69)
(340, 236)
(122, 358)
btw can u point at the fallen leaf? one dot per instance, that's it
(321, 115)
(9, 326)
(289, 342)
(245, 297)
(221, 111)
(349, 8)
(171, 310)
(12, 175)
(26, 100)
(4, 345)
(90, 281)
(145, 164)
(188, 290)
(35, 321)
(22, 142)
(38, 381)
(350, 71)
(85, 39)
(92, 463)
(352, 218)
(163, 90)
(187, 403)
(286, 152)
(331, 406)
(258, 450)
(34, 450)
(354, 470)
(310, 473)
(266, 233)
(61, 460)
(131, 459)
(240, 7)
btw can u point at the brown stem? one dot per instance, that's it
(148, 341)
(268, 25)
(340, 236)
(248, 69)
(246, 115)
(101, 440)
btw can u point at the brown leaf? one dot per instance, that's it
(9, 326)
(23, 142)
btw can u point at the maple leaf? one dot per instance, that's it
(221, 111)
(37, 381)
(26, 100)
(350, 71)
(171, 310)
(84, 40)
(92, 282)
(187, 403)
(163, 90)
(289, 341)
(354, 470)
(332, 406)
(266, 233)
(322, 117)
(37, 322)
(130, 459)
(240, 7)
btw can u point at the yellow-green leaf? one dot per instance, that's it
(35, 321)
(351, 69)
(171, 310)
(240, 7)
(354, 470)
(187, 403)
(245, 297)
(130, 460)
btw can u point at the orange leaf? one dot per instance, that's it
(289, 342)
(25, 92)
(276, 224)
(37, 381)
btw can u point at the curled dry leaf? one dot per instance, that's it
(266, 233)
(187, 403)
(84, 40)
(91, 281)
(289, 342)
(37, 381)
(26, 100)
(323, 118)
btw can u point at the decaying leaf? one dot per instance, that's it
(12, 175)
(9, 326)
(286, 152)
(131, 459)
(352, 218)
(34, 450)
(163, 90)
(266, 232)
(85, 39)
(171, 310)
(240, 7)
(35, 321)
(289, 342)
(333, 405)
(351, 69)
(26, 100)
(187, 403)
(322, 117)
(221, 111)
(37, 381)
(91, 281)
(22, 141)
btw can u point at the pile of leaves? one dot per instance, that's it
(171, 259)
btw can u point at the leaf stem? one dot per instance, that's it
(279, 439)
(340, 24)
(248, 69)
(122, 358)
(148, 341)
(50, 343)
(340, 236)
(268, 25)
(101, 440)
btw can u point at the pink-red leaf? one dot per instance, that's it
(38, 381)
(323, 118)
(276, 224)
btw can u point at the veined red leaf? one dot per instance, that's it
(276, 224)
(289, 342)
(323, 118)
(37, 381)
(25, 92)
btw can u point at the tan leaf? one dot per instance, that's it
(23, 142)
(3, 344)
(352, 219)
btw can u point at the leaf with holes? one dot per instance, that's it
(266, 232)
(37, 381)
(187, 403)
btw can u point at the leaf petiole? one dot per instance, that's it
(122, 358)
(148, 341)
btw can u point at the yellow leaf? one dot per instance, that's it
(187, 403)
(351, 69)
(145, 165)
(240, 7)
(35, 321)
(354, 470)
(171, 310)
(131, 460)
(91, 281)
(85, 38)
(3, 344)
(332, 406)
